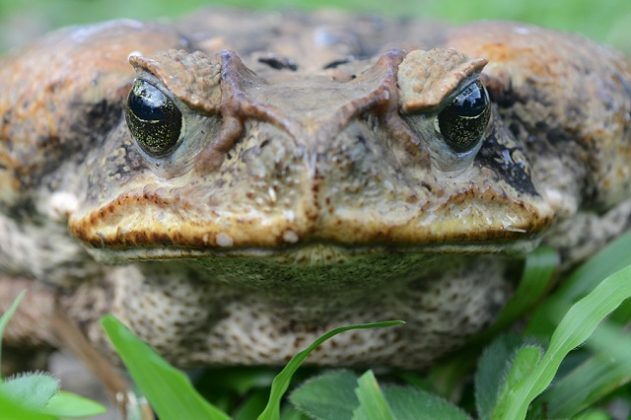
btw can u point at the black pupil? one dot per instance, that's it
(471, 102)
(463, 122)
(147, 102)
(153, 118)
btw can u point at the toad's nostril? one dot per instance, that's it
(279, 63)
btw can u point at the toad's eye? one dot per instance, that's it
(463, 122)
(153, 119)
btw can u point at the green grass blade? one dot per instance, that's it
(535, 282)
(4, 319)
(67, 404)
(582, 387)
(577, 325)
(609, 260)
(593, 415)
(595, 378)
(372, 402)
(282, 380)
(251, 406)
(237, 379)
(168, 390)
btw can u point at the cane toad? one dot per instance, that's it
(232, 185)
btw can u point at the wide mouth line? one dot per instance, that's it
(519, 246)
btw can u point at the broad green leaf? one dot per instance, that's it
(31, 389)
(492, 371)
(282, 380)
(607, 261)
(12, 410)
(4, 319)
(290, 412)
(168, 390)
(577, 325)
(67, 404)
(409, 403)
(372, 403)
(327, 396)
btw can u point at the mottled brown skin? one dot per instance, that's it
(309, 187)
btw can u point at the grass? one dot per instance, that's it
(603, 20)
(516, 376)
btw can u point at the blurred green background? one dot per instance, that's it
(604, 20)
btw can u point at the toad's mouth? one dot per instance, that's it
(135, 228)
(134, 238)
(312, 254)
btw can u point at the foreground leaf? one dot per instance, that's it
(67, 404)
(492, 372)
(31, 389)
(10, 409)
(282, 380)
(327, 396)
(372, 403)
(577, 325)
(408, 403)
(168, 390)
(332, 396)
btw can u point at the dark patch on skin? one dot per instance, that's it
(23, 211)
(497, 157)
(553, 134)
(336, 63)
(502, 93)
(279, 63)
(625, 85)
(100, 117)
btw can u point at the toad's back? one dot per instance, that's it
(259, 178)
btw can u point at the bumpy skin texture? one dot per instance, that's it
(309, 186)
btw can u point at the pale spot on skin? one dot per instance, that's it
(272, 194)
(224, 240)
(560, 202)
(63, 204)
(521, 30)
(290, 236)
(134, 54)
